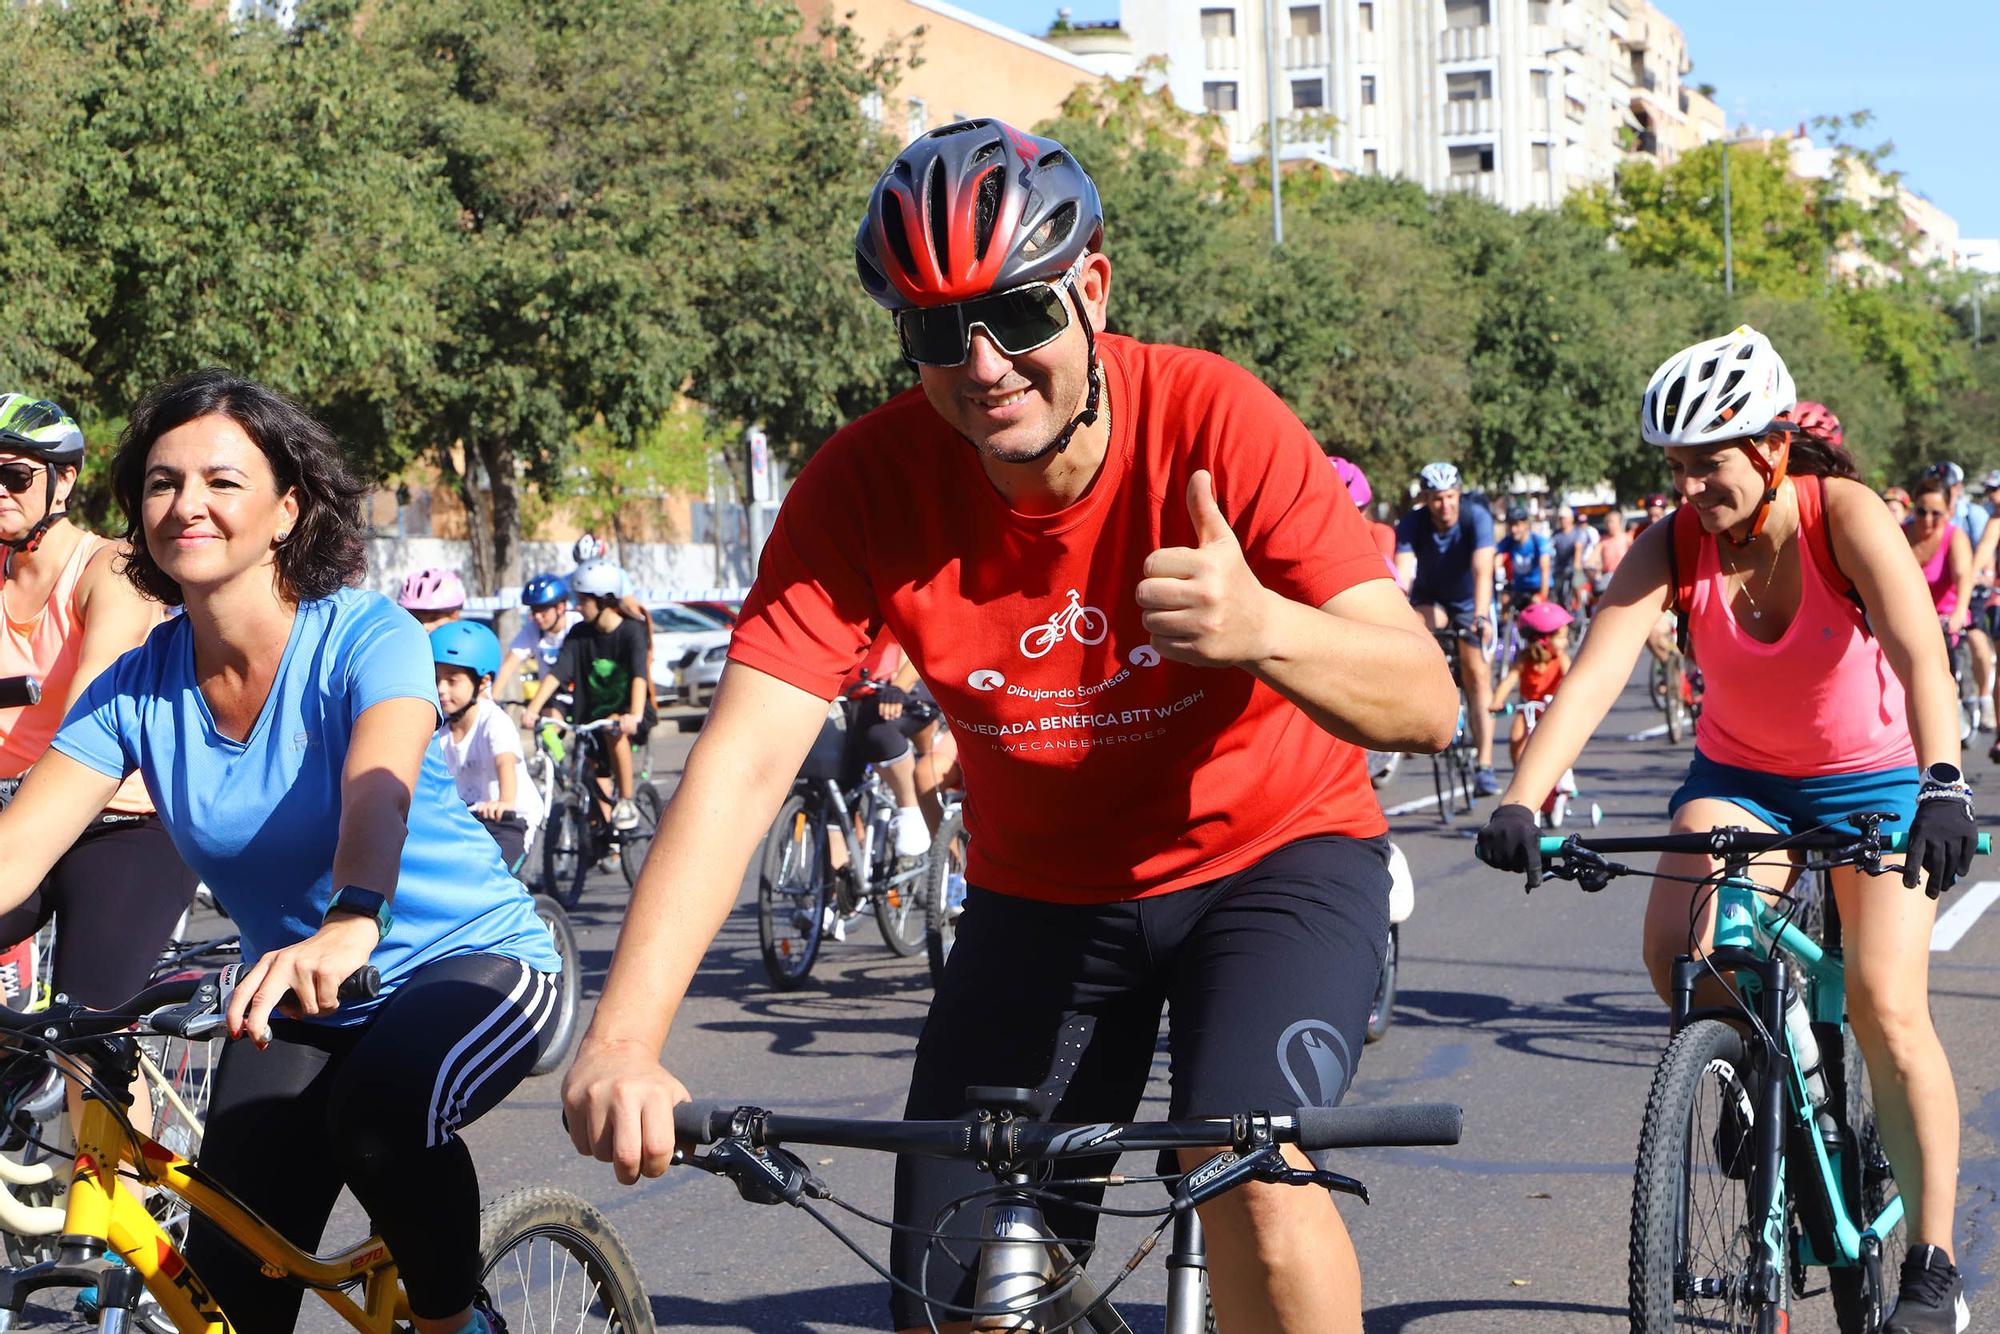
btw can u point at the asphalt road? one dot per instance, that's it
(1529, 1011)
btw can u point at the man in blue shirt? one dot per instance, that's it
(1528, 554)
(1444, 557)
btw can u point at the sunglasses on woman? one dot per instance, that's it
(1018, 320)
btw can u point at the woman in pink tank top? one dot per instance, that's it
(1943, 552)
(66, 615)
(1813, 710)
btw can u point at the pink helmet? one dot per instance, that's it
(1355, 481)
(1817, 420)
(432, 590)
(1544, 618)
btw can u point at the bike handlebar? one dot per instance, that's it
(64, 1020)
(18, 692)
(1310, 1128)
(1720, 841)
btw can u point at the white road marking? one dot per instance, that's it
(1406, 807)
(1649, 733)
(1967, 905)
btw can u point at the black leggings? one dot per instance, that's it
(375, 1107)
(116, 894)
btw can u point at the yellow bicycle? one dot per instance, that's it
(549, 1260)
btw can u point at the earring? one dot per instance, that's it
(277, 539)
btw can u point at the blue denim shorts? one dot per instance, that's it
(1791, 805)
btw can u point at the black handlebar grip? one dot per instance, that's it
(1378, 1127)
(17, 692)
(702, 1122)
(364, 983)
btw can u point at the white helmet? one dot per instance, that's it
(598, 579)
(1728, 388)
(1438, 477)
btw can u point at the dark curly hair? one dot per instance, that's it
(327, 549)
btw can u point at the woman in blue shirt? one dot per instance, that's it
(284, 727)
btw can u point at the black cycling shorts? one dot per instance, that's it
(116, 895)
(1268, 973)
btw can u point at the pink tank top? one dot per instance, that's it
(48, 645)
(1822, 700)
(1944, 588)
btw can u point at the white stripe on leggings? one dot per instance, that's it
(448, 1066)
(473, 1072)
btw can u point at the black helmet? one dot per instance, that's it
(971, 208)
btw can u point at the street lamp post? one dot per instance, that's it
(1557, 74)
(1271, 105)
(1728, 243)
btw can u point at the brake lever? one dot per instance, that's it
(1281, 1173)
(771, 1175)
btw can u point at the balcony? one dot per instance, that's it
(1466, 43)
(1470, 116)
(1221, 53)
(1305, 52)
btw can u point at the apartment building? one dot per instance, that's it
(1518, 101)
(969, 66)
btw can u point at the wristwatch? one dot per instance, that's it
(363, 903)
(1943, 775)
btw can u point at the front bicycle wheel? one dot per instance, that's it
(899, 908)
(944, 892)
(566, 849)
(1863, 1293)
(1694, 1244)
(1382, 1011)
(792, 883)
(563, 1030)
(550, 1261)
(633, 845)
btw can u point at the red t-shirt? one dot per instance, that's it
(1095, 770)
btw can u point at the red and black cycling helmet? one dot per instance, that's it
(1817, 420)
(971, 208)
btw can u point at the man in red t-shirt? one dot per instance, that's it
(1162, 636)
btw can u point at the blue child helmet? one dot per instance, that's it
(466, 644)
(544, 590)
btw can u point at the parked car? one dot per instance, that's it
(684, 640)
(722, 609)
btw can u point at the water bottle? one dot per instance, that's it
(1805, 1050)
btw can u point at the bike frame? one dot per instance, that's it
(1771, 958)
(103, 1213)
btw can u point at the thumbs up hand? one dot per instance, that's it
(1202, 604)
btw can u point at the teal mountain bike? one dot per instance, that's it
(1759, 1164)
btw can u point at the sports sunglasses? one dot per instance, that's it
(1018, 320)
(18, 477)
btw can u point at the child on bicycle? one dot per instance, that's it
(481, 744)
(1538, 671)
(605, 658)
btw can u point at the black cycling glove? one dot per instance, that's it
(1943, 838)
(1512, 841)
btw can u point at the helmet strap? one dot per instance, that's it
(1087, 417)
(25, 545)
(451, 719)
(1773, 473)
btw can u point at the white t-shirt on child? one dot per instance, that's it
(474, 765)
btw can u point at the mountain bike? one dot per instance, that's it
(577, 831)
(1759, 1157)
(801, 893)
(548, 1258)
(1027, 1277)
(1453, 768)
(1674, 689)
(944, 884)
(1965, 678)
(1402, 901)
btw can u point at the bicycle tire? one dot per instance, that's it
(1670, 698)
(633, 846)
(790, 913)
(563, 1033)
(545, 1221)
(1383, 1010)
(1681, 1169)
(947, 859)
(566, 849)
(899, 910)
(1441, 782)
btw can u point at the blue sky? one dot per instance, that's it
(1928, 69)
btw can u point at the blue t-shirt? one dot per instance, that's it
(1444, 560)
(1525, 560)
(1972, 517)
(258, 819)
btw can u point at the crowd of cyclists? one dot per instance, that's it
(1148, 583)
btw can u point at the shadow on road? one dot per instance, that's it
(1415, 1316)
(802, 1312)
(1626, 1028)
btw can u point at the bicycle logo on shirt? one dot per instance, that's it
(1087, 624)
